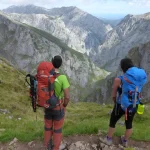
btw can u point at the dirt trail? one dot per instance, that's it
(72, 140)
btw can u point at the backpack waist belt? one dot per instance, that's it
(60, 102)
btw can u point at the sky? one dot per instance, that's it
(109, 9)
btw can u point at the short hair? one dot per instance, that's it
(57, 61)
(125, 64)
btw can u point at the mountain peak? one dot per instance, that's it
(32, 9)
(26, 9)
(145, 16)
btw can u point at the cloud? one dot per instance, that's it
(53, 2)
(144, 3)
(140, 3)
(56, 3)
(95, 7)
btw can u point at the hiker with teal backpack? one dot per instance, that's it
(126, 95)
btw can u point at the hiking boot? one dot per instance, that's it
(50, 145)
(107, 140)
(123, 141)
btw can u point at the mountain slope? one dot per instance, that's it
(12, 83)
(130, 32)
(25, 46)
(78, 29)
(91, 119)
(16, 114)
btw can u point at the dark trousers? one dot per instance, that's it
(117, 113)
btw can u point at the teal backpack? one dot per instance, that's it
(132, 83)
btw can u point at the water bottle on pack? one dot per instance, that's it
(140, 109)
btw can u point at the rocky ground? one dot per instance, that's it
(84, 142)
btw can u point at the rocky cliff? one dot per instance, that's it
(78, 29)
(105, 46)
(130, 32)
(25, 46)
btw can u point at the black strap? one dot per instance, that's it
(28, 75)
(61, 86)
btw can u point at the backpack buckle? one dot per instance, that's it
(130, 95)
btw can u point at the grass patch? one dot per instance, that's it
(129, 149)
(81, 118)
(88, 118)
(14, 98)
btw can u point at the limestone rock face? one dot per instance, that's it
(130, 32)
(25, 47)
(87, 34)
(78, 29)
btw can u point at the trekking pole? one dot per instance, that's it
(126, 115)
(135, 97)
(116, 105)
(116, 109)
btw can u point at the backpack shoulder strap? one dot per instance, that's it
(58, 81)
(27, 76)
(120, 77)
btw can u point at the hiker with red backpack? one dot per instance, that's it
(53, 95)
(126, 95)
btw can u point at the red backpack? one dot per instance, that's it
(45, 85)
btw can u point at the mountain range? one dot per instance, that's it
(25, 47)
(30, 34)
(132, 31)
(78, 29)
(86, 33)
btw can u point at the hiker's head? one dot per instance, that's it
(125, 64)
(57, 61)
